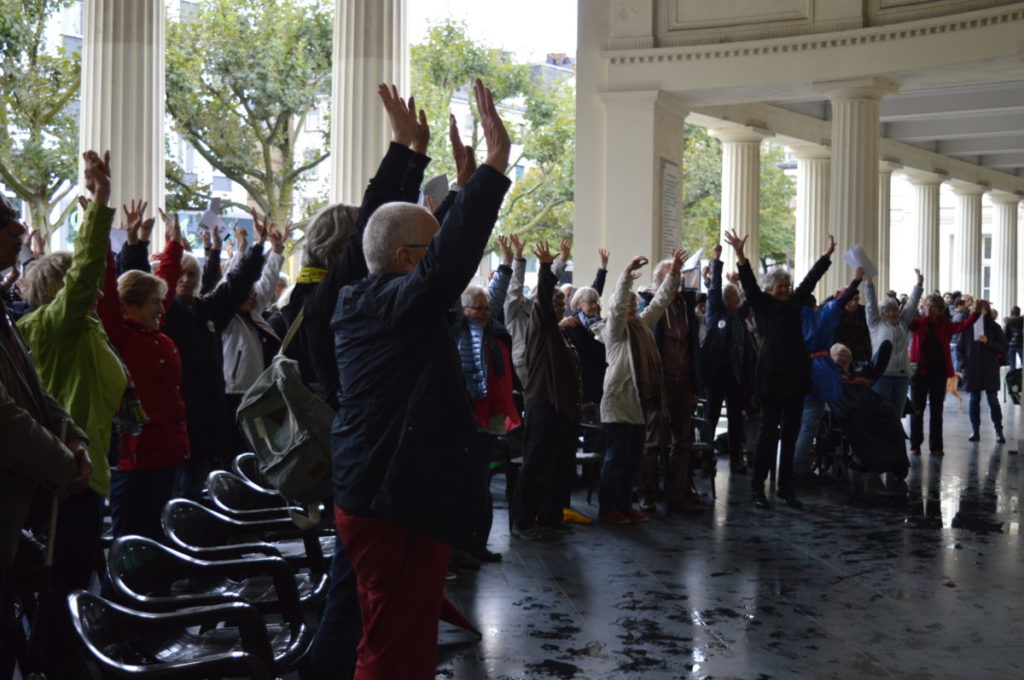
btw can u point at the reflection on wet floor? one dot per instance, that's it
(918, 581)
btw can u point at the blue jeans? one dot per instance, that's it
(814, 408)
(333, 654)
(1015, 355)
(894, 389)
(974, 409)
(624, 449)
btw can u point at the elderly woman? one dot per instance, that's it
(980, 359)
(586, 309)
(783, 366)
(929, 350)
(633, 387)
(887, 322)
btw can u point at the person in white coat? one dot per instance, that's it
(632, 387)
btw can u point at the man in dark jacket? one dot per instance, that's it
(980, 358)
(405, 465)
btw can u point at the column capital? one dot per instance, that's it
(889, 166)
(964, 188)
(1004, 197)
(857, 88)
(923, 177)
(740, 133)
(806, 152)
(643, 100)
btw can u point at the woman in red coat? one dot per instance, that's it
(929, 351)
(146, 472)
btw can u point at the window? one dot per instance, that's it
(986, 248)
(520, 171)
(222, 183)
(986, 280)
(310, 155)
(313, 121)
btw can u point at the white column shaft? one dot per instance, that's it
(369, 49)
(967, 242)
(1004, 253)
(741, 194)
(122, 105)
(926, 194)
(812, 201)
(882, 281)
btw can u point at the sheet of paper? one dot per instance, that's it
(979, 327)
(857, 257)
(211, 218)
(118, 237)
(693, 262)
(436, 189)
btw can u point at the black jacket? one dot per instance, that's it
(590, 351)
(1013, 328)
(398, 179)
(404, 440)
(720, 323)
(980, 361)
(783, 366)
(552, 361)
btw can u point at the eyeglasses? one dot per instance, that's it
(416, 245)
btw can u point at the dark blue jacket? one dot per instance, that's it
(404, 437)
(721, 323)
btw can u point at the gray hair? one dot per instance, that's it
(584, 294)
(134, 287)
(889, 305)
(392, 225)
(327, 235)
(189, 260)
(469, 295)
(773, 275)
(730, 287)
(45, 278)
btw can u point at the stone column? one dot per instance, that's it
(369, 49)
(1004, 251)
(885, 169)
(856, 129)
(122, 103)
(741, 192)
(644, 136)
(812, 194)
(967, 238)
(926, 193)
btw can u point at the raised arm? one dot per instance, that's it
(222, 303)
(910, 309)
(715, 302)
(851, 290)
(602, 272)
(615, 326)
(497, 289)
(546, 282)
(266, 286)
(108, 309)
(666, 291)
(812, 277)
(755, 296)
(514, 299)
(169, 268)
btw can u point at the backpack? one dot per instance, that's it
(289, 429)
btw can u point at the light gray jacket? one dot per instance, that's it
(518, 308)
(895, 332)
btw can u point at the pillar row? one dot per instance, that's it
(741, 191)
(926, 195)
(884, 278)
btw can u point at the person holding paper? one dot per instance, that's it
(887, 322)
(783, 376)
(929, 350)
(982, 349)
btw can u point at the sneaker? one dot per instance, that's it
(648, 507)
(570, 516)
(451, 577)
(614, 517)
(486, 555)
(637, 516)
(462, 559)
(531, 534)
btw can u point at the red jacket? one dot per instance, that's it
(155, 366)
(945, 329)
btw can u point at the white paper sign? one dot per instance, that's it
(436, 189)
(211, 218)
(979, 327)
(856, 257)
(118, 237)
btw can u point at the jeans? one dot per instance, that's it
(814, 409)
(780, 423)
(894, 389)
(333, 653)
(974, 408)
(930, 389)
(137, 500)
(622, 457)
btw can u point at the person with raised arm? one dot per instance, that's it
(405, 465)
(886, 321)
(783, 373)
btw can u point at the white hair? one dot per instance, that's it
(584, 294)
(773, 275)
(730, 286)
(469, 295)
(391, 226)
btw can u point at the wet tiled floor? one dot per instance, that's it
(923, 583)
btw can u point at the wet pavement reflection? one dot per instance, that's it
(919, 581)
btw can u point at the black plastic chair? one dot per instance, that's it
(129, 643)
(209, 535)
(152, 577)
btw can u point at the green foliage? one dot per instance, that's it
(38, 126)
(702, 197)
(242, 75)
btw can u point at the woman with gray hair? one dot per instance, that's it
(887, 323)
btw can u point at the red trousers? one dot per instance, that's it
(400, 586)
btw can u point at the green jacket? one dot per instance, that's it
(74, 359)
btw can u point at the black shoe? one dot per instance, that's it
(790, 498)
(1000, 439)
(461, 559)
(760, 500)
(486, 556)
(974, 437)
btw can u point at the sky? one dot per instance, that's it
(529, 28)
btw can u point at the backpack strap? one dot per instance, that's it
(292, 330)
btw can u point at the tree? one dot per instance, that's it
(242, 76)
(702, 197)
(38, 122)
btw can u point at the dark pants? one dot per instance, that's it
(674, 430)
(9, 634)
(137, 500)
(488, 446)
(549, 459)
(930, 389)
(333, 654)
(622, 456)
(726, 389)
(780, 421)
(400, 587)
(974, 408)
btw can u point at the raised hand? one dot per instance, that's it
(465, 158)
(920, 277)
(207, 239)
(403, 118)
(242, 236)
(83, 202)
(421, 135)
(717, 250)
(279, 238)
(636, 263)
(543, 253)
(261, 227)
(566, 249)
(133, 219)
(858, 274)
(733, 278)
(498, 143)
(737, 244)
(506, 249)
(678, 258)
(146, 229)
(97, 176)
(36, 244)
(517, 246)
(602, 254)
(831, 246)
(173, 228)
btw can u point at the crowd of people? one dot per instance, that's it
(119, 386)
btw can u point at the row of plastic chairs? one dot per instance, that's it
(231, 595)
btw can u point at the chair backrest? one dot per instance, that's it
(247, 466)
(151, 575)
(101, 625)
(191, 525)
(230, 493)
